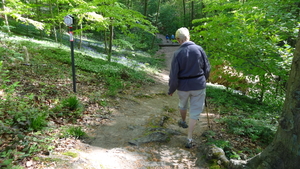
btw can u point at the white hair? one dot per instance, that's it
(182, 34)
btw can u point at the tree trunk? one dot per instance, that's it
(145, 7)
(156, 21)
(157, 12)
(183, 6)
(80, 37)
(5, 16)
(200, 11)
(105, 42)
(38, 13)
(192, 13)
(53, 22)
(129, 4)
(284, 151)
(111, 30)
(59, 25)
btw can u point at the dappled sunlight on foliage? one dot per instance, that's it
(257, 41)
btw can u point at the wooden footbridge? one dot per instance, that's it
(168, 44)
(165, 42)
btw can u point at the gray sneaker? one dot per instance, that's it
(190, 144)
(182, 124)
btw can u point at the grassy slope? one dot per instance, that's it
(37, 92)
(46, 82)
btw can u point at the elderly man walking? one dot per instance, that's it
(190, 69)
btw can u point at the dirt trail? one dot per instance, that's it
(110, 148)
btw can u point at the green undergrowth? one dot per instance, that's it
(36, 98)
(243, 117)
(116, 75)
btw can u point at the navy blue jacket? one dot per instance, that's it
(189, 68)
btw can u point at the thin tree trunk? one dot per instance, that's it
(129, 4)
(38, 13)
(59, 25)
(145, 7)
(5, 16)
(80, 37)
(183, 5)
(105, 42)
(156, 21)
(111, 30)
(192, 12)
(201, 9)
(53, 22)
(157, 12)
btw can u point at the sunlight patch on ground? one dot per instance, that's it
(164, 77)
(177, 157)
(114, 158)
(224, 88)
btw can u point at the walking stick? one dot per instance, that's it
(207, 113)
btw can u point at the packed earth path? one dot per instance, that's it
(136, 112)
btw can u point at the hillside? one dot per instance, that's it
(116, 105)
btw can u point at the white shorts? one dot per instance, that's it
(196, 99)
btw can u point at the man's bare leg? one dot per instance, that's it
(183, 114)
(192, 124)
